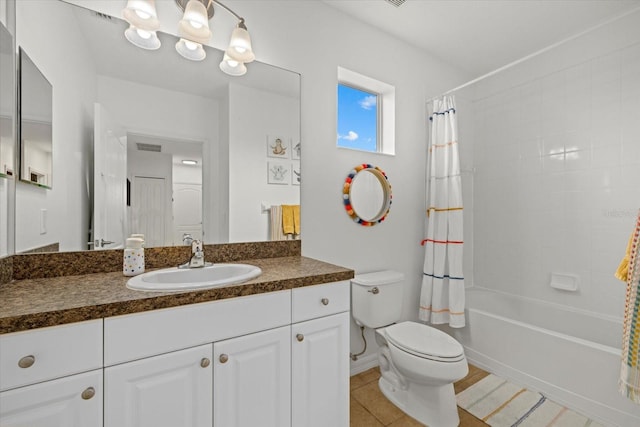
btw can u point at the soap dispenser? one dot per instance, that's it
(133, 259)
(138, 236)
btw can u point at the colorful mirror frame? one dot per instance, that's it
(386, 190)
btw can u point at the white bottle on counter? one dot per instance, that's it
(133, 259)
(138, 236)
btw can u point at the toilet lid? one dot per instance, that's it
(424, 341)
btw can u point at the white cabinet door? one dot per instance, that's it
(74, 401)
(173, 389)
(320, 372)
(252, 380)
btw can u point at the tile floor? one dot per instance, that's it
(369, 407)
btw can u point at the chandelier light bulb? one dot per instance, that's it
(143, 33)
(232, 67)
(142, 14)
(142, 38)
(194, 24)
(240, 44)
(190, 50)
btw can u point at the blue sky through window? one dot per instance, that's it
(357, 119)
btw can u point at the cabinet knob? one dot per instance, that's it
(374, 291)
(88, 393)
(223, 358)
(205, 362)
(300, 337)
(27, 361)
(325, 301)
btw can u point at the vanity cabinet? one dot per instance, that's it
(252, 380)
(320, 356)
(172, 389)
(320, 371)
(52, 377)
(275, 359)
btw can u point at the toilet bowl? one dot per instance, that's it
(418, 363)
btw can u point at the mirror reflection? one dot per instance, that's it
(7, 105)
(367, 195)
(7, 140)
(35, 99)
(148, 142)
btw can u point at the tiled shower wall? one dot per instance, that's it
(556, 151)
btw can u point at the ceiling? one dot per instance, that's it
(479, 36)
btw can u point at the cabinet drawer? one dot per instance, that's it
(315, 301)
(140, 335)
(74, 401)
(32, 356)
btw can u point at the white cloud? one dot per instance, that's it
(351, 136)
(368, 102)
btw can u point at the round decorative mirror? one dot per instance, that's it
(367, 195)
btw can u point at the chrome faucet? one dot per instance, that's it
(197, 256)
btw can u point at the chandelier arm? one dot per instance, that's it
(238, 17)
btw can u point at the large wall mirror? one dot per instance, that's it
(7, 103)
(147, 141)
(7, 131)
(35, 101)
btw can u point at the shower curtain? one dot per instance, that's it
(630, 370)
(442, 294)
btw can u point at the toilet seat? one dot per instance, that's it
(425, 342)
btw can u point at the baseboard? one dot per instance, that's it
(364, 363)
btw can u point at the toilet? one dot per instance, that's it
(418, 363)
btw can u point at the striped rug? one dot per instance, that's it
(500, 403)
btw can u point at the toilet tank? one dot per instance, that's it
(376, 298)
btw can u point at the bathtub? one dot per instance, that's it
(569, 355)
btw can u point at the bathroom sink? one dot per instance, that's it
(176, 279)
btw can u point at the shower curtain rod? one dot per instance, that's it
(534, 54)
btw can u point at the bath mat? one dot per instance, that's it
(500, 403)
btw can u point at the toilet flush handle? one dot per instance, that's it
(374, 291)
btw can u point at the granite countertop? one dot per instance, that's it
(36, 303)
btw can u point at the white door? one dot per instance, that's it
(187, 211)
(74, 401)
(148, 203)
(320, 372)
(109, 181)
(252, 380)
(170, 390)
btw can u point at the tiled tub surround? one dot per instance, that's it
(76, 286)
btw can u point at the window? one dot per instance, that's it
(366, 113)
(357, 118)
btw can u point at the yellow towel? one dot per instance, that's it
(287, 219)
(296, 219)
(623, 269)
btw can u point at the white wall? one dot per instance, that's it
(253, 115)
(557, 153)
(73, 83)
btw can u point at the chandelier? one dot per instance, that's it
(193, 30)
